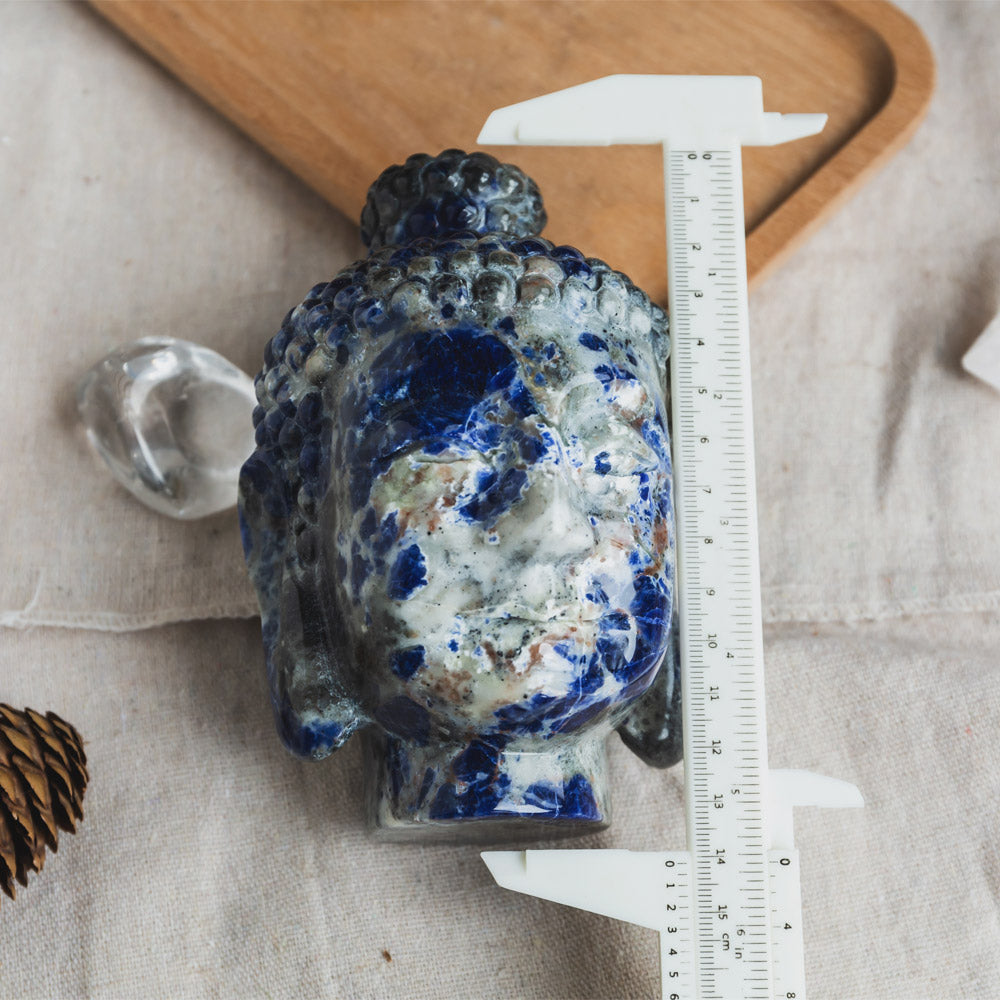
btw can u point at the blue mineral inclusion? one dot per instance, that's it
(406, 662)
(404, 718)
(592, 342)
(407, 573)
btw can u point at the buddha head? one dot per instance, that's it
(458, 516)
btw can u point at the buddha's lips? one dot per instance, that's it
(569, 614)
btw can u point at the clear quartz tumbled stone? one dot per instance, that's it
(172, 420)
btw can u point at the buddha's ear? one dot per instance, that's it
(652, 730)
(314, 712)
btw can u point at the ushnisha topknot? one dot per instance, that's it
(453, 192)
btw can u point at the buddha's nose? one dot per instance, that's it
(544, 541)
(552, 518)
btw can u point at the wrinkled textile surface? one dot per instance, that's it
(211, 863)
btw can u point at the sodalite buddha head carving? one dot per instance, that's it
(458, 516)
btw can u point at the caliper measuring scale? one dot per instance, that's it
(728, 909)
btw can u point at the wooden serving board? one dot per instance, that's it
(338, 91)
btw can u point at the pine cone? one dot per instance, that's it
(43, 775)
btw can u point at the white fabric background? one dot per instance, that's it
(211, 863)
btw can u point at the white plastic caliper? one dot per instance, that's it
(728, 909)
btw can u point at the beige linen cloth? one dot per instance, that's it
(213, 864)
